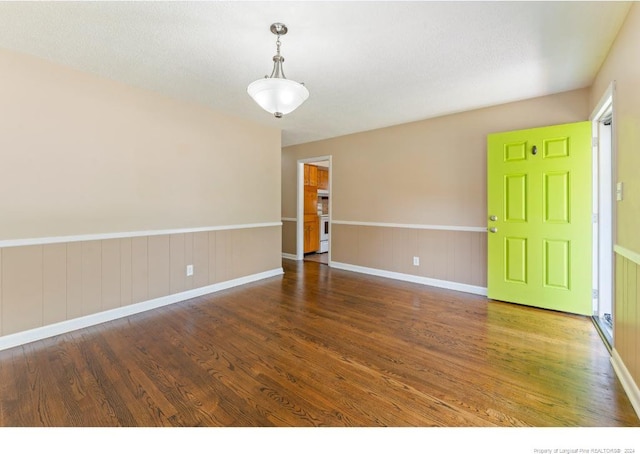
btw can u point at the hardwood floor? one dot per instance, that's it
(319, 258)
(320, 347)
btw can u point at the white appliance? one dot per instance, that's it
(324, 234)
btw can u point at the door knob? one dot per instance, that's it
(493, 229)
(493, 217)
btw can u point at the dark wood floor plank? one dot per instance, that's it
(13, 385)
(150, 405)
(63, 376)
(216, 389)
(391, 357)
(288, 362)
(341, 365)
(320, 347)
(248, 360)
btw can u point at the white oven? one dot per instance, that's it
(324, 233)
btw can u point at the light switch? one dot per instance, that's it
(619, 191)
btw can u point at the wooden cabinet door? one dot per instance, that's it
(307, 237)
(306, 174)
(307, 227)
(311, 233)
(313, 176)
(314, 233)
(310, 200)
(323, 179)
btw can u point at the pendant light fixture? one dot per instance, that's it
(275, 93)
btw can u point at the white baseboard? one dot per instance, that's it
(412, 278)
(289, 256)
(24, 337)
(628, 383)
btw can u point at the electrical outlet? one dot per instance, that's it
(416, 261)
(189, 270)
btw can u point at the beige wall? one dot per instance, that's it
(450, 256)
(86, 155)
(289, 237)
(431, 172)
(427, 172)
(623, 66)
(81, 155)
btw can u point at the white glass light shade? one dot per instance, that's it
(278, 96)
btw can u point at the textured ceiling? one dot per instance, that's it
(366, 64)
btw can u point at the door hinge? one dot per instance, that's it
(594, 218)
(595, 294)
(594, 141)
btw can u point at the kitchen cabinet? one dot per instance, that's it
(323, 178)
(313, 176)
(310, 175)
(310, 200)
(311, 233)
(311, 219)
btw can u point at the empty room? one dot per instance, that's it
(431, 221)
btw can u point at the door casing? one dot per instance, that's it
(300, 202)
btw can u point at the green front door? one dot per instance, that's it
(539, 219)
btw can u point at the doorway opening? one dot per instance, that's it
(314, 210)
(603, 218)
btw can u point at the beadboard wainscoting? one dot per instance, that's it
(449, 256)
(289, 226)
(54, 286)
(626, 352)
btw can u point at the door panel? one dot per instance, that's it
(556, 197)
(515, 190)
(516, 260)
(539, 193)
(556, 264)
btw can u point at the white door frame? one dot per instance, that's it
(300, 203)
(604, 176)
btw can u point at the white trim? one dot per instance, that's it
(629, 385)
(595, 210)
(24, 337)
(412, 278)
(605, 101)
(457, 228)
(316, 159)
(627, 253)
(300, 209)
(604, 206)
(289, 256)
(109, 236)
(289, 220)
